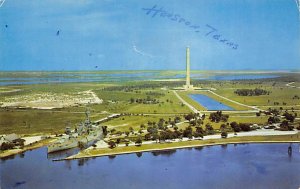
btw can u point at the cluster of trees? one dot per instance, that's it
(144, 85)
(289, 117)
(273, 119)
(11, 145)
(285, 126)
(237, 127)
(218, 116)
(251, 92)
(7, 146)
(192, 116)
(176, 134)
(147, 100)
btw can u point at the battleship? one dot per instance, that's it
(86, 133)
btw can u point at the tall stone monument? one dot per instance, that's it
(188, 85)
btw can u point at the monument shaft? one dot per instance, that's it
(188, 81)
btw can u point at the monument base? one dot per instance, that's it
(188, 87)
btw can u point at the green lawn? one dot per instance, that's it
(124, 122)
(39, 121)
(278, 94)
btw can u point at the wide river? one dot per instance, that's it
(228, 166)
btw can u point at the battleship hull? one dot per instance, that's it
(62, 146)
(74, 142)
(92, 138)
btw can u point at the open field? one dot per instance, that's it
(39, 121)
(71, 100)
(283, 95)
(124, 122)
(51, 100)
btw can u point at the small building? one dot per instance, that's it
(2, 139)
(11, 137)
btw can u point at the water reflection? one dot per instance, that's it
(82, 162)
(62, 154)
(167, 153)
(139, 154)
(199, 148)
(111, 156)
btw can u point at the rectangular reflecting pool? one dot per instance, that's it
(209, 103)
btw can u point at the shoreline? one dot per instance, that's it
(13, 152)
(200, 143)
(173, 148)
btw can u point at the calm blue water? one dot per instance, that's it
(107, 77)
(231, 166)
(241, 77)
(227, 76)
(209, 103)
(75, 78)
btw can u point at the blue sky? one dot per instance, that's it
(119, 35)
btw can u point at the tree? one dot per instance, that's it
(6, 146)
(131, 129)
(140, 131)
(209, 129)
(200, 130)
(218, 116)
(142, 126)
(273, 119)
(284, 126)
(177, 119)
(289, 117)
(112, 144)
(132, 100)
(197, 134)
(199, 122)
(224, 134)
(235, 126)
(188, 132)
(138, 141)
(189, 116)
(193, 123)
(245, 127)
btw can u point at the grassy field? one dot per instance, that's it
(39, 121)
(124, 122)
(118, 101)
(168, 104)
(277, 94)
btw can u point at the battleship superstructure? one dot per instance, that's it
(85, 133)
